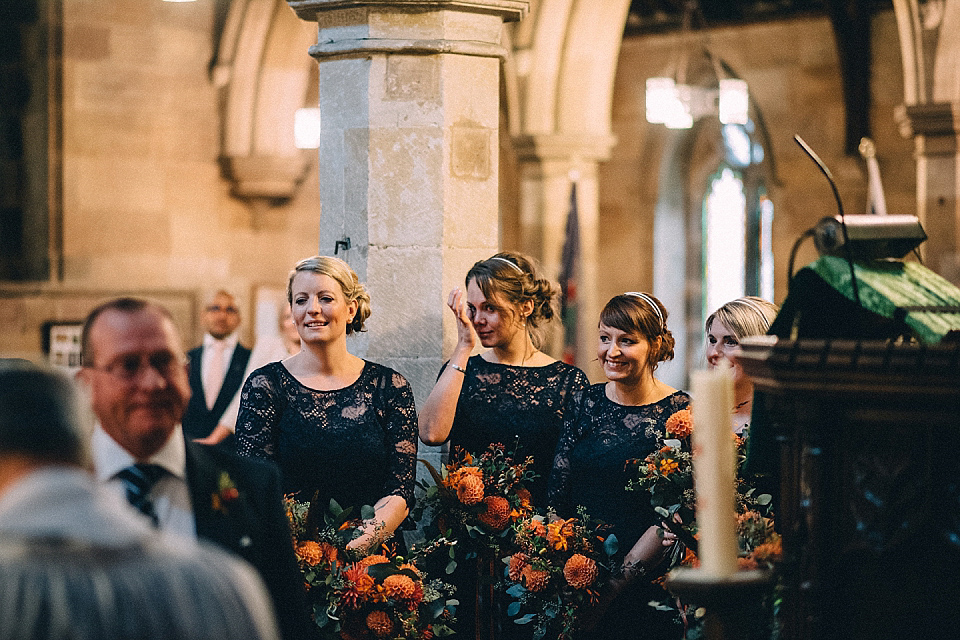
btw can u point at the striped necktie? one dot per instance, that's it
(138, 480)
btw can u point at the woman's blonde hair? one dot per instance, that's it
(514, 278)
(346, 277)
(744, 317)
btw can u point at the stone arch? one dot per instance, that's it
(264, 74)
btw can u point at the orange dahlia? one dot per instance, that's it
(534, 579)
(380, 623)
(680, 424)
(399, 586)
(309, 552)
(410, 567)
(580, 571)
(373, 559)
(470, 490)
(518, 561)
(497, 515)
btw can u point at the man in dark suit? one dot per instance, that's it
(135, 370)
(216, 371)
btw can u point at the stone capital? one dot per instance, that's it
(361, 28)
(318, 10)
(930, 119)
(573, 147)
(265, 177)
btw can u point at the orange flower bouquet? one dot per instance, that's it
(666, 475)
(475, 499)
(364, 596)
(556, 572)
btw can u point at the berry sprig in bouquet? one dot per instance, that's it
(475, 499)
(557, 572)
(358, 595)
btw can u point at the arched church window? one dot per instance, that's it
(737, 256)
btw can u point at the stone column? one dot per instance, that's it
(549, 164)
(409, 100)
(935, 128)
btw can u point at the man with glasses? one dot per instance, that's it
(216, 373)
(135, 371)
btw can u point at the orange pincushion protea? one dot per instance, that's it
(680, 424)
(374, 559)
(580, 571)
(399, 586)
(534, 579)
(518, 561)
(536, 528)
(380, 623)
(497, 515)
(357, 574)
(470, 490)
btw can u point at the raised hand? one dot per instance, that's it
(466, 336)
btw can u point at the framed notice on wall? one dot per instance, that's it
(61, 343)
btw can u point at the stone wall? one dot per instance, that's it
(145, 208)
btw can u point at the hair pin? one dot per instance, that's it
(512, 265)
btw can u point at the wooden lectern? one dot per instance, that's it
(862, 428)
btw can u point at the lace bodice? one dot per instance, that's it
(509, 404)
(596, 444)
(356, 444)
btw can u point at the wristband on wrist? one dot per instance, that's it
(458, 368)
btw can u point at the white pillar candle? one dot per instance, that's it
(714, 470)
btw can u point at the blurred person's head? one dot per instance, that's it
(221, 315)
(135, 368)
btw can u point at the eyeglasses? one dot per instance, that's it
(215, 308)
(129, 367)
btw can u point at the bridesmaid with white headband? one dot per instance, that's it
(513, 393)
(725, 328)
(617, 421)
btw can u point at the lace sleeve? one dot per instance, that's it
(557, 489)
(261, 405)
(400, 426)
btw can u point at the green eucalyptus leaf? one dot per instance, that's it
(367, 512)
(513, 609)
(611, 545)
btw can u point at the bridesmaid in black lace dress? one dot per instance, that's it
(617, 421)
(513, 393)
(334, 423)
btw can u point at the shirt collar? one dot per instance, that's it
(228, 343)
(109, 457)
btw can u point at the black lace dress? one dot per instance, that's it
(589, 470)
(356, 444)
(523, 406)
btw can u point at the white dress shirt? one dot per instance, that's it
(170, 495)
(229, 346)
